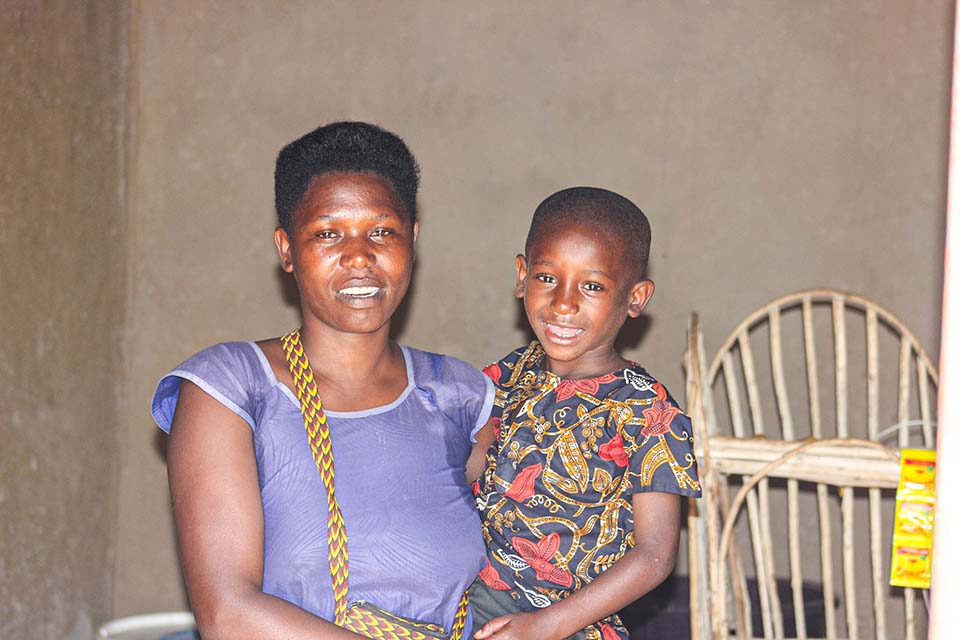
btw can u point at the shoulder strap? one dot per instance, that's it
(318, 432)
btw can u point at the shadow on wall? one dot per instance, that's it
(665, 611)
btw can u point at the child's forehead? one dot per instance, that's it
(558, 233)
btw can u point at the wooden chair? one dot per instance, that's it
(786, 483)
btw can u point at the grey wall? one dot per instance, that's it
(63, 253)
(774, 146)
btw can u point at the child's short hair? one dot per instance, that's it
(600, 208)
(344, 146)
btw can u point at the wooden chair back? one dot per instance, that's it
(793, 535)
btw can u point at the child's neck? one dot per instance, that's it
(588, 365)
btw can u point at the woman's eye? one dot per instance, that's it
(380, 233)
(542, 277)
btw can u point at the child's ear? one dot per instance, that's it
(640, 295)
(283, 249)
(521, 275)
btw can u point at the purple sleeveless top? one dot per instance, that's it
(413, 532)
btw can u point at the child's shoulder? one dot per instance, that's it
(505, 370)
(637, 383)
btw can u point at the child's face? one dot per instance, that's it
(351, 251)
(577, 291)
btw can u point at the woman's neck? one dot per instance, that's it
(352, 356)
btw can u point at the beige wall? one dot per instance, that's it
(774, 146)
(62, 280)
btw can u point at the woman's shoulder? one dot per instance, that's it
(233, 373)
(429, 368)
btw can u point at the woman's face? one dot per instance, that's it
(351, 250)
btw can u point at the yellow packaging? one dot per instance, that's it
(913, 523)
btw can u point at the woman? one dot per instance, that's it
(249, 502)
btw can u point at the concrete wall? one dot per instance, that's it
(62, 280)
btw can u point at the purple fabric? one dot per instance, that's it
(413, 531)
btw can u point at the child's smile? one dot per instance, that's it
(577, 293)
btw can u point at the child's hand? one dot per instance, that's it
(515, 626)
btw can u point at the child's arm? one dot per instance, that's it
(478, 455)
(219, 518)
(656, 530)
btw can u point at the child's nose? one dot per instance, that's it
(565, 302)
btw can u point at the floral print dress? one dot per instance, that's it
(556, 496)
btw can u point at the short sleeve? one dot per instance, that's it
(502, 373)
(461, 391)
(664, 460)
(228, 372)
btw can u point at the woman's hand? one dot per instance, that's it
(518, 626)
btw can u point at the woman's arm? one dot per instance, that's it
(219, 518)
(656, 530)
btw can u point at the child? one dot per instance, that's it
(249, 500)
(580, 500)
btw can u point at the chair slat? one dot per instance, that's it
(840, 364)
(909, 611)
(873, 394)
(903, 394)
(793, 503)
(879, 591)
(770, 601)
(849, 571)
(750, 377)
(826, 560)
(823, 506)
(810, 354)
(923, 392)
(733, 396)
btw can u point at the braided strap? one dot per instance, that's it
(362, 619)
(318, 432)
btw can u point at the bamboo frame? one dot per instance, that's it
(823, 460)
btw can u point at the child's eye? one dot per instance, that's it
(326, 235)
(547, 279)
(380, 233)
(592, 286)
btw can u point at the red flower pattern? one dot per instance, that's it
(493, 372)
(609, 633)
(492, 579)
(568, 388)
(612, 449)
(660, 391)
(539, 554)
(495, 423)
(522, 486)
(658, 417)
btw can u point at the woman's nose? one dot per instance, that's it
(357, 254)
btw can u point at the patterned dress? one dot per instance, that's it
(556, 496)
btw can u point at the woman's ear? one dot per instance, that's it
(283, 249)
(640, 295)
(521, 276)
